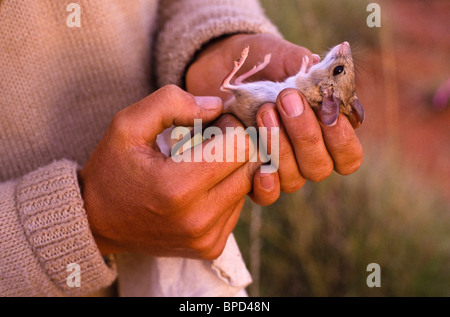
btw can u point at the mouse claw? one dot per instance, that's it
(315, 59)
(226, 84)
(305, 62)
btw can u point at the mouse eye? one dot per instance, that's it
(338, 70)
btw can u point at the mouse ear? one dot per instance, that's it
(330, 110)
(357, 116)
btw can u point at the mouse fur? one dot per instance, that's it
(329, 86)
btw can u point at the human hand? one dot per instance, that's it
(205, 75)
(138, 200)
(307, 148)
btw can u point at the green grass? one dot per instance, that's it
(319, 240)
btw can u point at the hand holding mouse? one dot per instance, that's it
(308, 148)
(139, 200)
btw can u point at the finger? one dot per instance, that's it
(221, 241)
(206, 238)
(286, 59)
(305, 134)
(343, 145)
(209, 163)
(289, 174)
(167, 106)
(235, 186)
(227, 193)
(266, 188)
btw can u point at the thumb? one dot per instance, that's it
(167, 106)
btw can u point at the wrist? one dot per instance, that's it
(103, 244)
(205, 48)
(211, 64)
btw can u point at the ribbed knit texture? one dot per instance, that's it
(59, 89)
(188, 25)
(52, 231)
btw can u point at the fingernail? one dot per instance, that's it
(292, 104)
(267, 181)
(269, 119)
(208, 102)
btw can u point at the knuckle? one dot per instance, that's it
(201, 248)
(293, 185)
(170, 90)
(175, 94)
(311, 138)
(286, 153)
(213, 254)
(177, 197)
(349, 168)
(211, 249)
(351, 161)
(321, 172)
(194, 227)
(120, 123)
(195, 231)
(181, 102)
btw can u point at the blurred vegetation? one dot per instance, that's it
(319, 240)
(321, 24)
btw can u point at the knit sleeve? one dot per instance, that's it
(43, 232)
(185, 26)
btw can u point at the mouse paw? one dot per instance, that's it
(254, 70)
(305, 62)
(226, 84)
(315, 59)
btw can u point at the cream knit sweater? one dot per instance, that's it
(59, 89)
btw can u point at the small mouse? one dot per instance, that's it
(329, 87)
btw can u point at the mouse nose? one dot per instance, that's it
(344, 48)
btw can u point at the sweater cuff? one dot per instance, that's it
(195, 24)
(54, 220)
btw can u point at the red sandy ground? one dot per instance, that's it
(421, 47)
